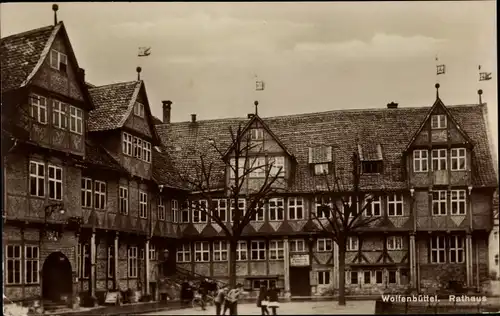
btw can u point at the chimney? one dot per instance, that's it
(81, 73)
(250, 115)
(193, 118)
(392, 105)
(167, 107)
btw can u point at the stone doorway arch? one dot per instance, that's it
(57, 277)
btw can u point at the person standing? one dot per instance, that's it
(273, 294)
(262, 299)
(219, 299)
(232, 297)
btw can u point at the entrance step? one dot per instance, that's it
(52, 307)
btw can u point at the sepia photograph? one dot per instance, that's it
(249, 158)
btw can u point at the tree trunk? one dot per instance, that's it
(233, 243)
(342, 274)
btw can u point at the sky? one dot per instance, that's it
(206, 57)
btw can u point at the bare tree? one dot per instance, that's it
(206, 178)
(343, 214)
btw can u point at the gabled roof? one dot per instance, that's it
(343, 130)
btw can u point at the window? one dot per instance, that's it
(295, 208)
(320, 168)
(258, 216)
(323, 205)
(220, 250)
(100, 195)
(258, 250)
(127, 144)
(31, 265)
(297, 245)
(268, 283)
(55, 183)
(75, 120)
(276, 250)
(185, 213)
(153, 255)
(374, 208)
(439, 160)
(347, 209)
(371, 166)
(277, 166)
(174, 204)
(143, 205)
(439, 203)
(83, 255)
(161, 209)
(139, 109)
(456, 249)
(276, 209)
(395, 204)
(458, 159)
(184, 253)
(58, 60)
(86, 192)
(395, 243)
(354, 277)
(59, 118)
(220, 209)
(111, 262)
(132, 262)
(258, 167)
(199, 211)
(146, 151)
(123, 200)
(458, 202)
(201, 251)
(420, 161)
(438, 249)
(257, 134)
(137, 147)
(241, 208)
(392, 277)
(438, 121)
(241, 251)
(241, 168)
(323, 277)
(324, 244)
(367, 277)
(352, 243)
(13, 258)
(37, 179)
(379, 277)
(39, 108)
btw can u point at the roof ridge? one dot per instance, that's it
(29, 32)
(113, 84)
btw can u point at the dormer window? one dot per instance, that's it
(256, 134)
(139, 109)
(321, 168)
(58, 61)
(438, 121)
(320, 157)
(371, 166)
(371, 158)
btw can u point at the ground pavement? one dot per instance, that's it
(289, 308)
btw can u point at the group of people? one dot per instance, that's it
(205, 287)
(268, 298)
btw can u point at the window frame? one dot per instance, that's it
(59, 114)
(242, 208)
(153, 254)
(457, 247)
(220, 208)
(294, 207)
(111, 262)
(202, 252)
(439, 159)
(60, 58)
(296, 242)
(183, 253)
(277, 162)
(174, 206)
(324, 245)
(369, 209)
(57, 182)
(86, 192)
(220, 251)
(143, 204)
(258, 167)
(132, 262)
(319, 201)
(259, 251)
(456, 156)
(274, 210)
(351, 277)
(276, 250)
(16, 261)
(439, 203)
(436, 249)
(127, 142)
(242, 250)
(37, 178)
(458, 202)
(395, 200)
(161, 213)
(395, 243)
(437, 122)
(123, 198)
(324, 275)
(199, 216)
(352, 243)
(100, 195)
(83, 255)
(38, 108)
(321, 169)
(75, 120)
(139, 109)
(421, 163)
(185, 214)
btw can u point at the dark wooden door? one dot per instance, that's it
(300, 284)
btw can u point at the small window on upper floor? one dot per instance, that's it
(256, 134)
(139, 109)
(58, 61)
(438, 121)
(372, 166)
(320, 169)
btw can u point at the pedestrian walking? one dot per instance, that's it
(273, 294)
(219, 299)
(262, 299)
(232, 297)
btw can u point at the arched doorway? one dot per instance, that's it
(57, 279)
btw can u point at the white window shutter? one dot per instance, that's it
(310, 154)
(329, 154)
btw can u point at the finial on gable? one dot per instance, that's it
(480, 93)
(437, 85)
(256, 103)
(55, 7)
(138, 69)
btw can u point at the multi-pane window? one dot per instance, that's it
(347, 203)
(420, 161)
(395, 205)
(146, 151)
(38, 108)
(143, 205)
(100, 194)
(199, 211)
(439, 203)
(438, 121)
(201, 251)
(13, 264)
(31, 264)
(258, 167)
(258, 250)
(352, 243)
(132, 262)
(83, 256)
(220, 209)
(139, 109)
(354, 277)
(58, 60)
(395, 243)
(277, 166)
(123, 200)
(324, 244)
(374, 208)
(295, 208)
(276, 250)
(439, 159)
(258, 215)
(55, 183)
(241, 250)
(276, 209)
(184, 212)
(59, 118)
(184, 253)
(220, 251)
(175, 210)
(367, 277)
(153, 255)
(458, 159)
(86, 192)
(438, 249)
(137, 146)
(458, 202)
(297, 245)
(456, 249)
(75, 120)
(37, 179)
(241, 208)
(127, 144)
(161, 209)
(323, 205)
(241, 168)
(323, 277)
(111, 262)
(257, 134)
(320, 169)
